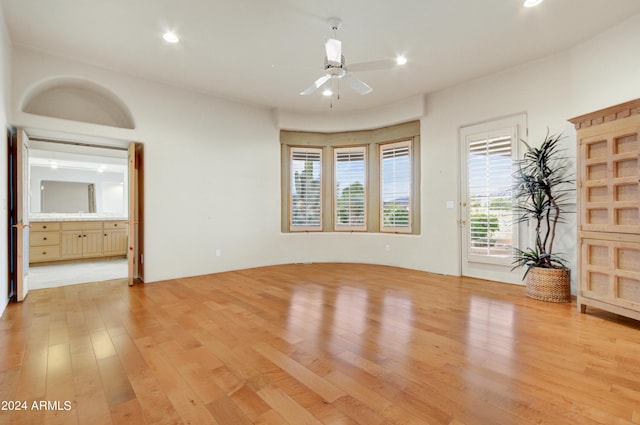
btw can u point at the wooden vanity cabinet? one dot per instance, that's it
(44, 242)
(608, 178)
(81, 239)
(74, 240)
(115, 240)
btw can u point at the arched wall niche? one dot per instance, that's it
(79, 100)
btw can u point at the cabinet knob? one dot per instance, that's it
(44, 252)
(44, 239)
(44, 227)
(79, 236)
(105, 234)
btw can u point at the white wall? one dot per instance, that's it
(541, 90)
(210, 166)
(331, 121)
(194, 144)
(605, 70)
(5, 63)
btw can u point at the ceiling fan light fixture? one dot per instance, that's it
(532, 3)
(327, 92)
(333, 48)
(171, 37)
(401, 60)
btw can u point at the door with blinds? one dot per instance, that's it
(488, 232)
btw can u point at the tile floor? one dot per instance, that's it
(49, 276)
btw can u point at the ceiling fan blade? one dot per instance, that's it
(373, 65)
(316, 85)
(357, 84)
(334, 50)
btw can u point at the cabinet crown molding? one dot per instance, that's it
(612, 113)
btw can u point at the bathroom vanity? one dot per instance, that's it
(64, 237)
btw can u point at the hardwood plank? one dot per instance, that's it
(154, 403)
(90, 403)
(129, 412)
(193, 373)
(319, 343)
(225, 411)
(250, 403)
(60, 386)
(270, 418)
(286, 407)
(318, 385)
(117, 387)
(187, 405)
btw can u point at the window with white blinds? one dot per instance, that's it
(350, 171)
(395, 187)
(363, 181)
(489, 170)
(305, 186)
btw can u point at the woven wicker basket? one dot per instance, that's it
(553, 285)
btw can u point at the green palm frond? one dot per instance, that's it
(543, 194)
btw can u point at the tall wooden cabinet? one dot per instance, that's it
(608, 176)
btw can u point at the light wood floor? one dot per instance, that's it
(315, 344)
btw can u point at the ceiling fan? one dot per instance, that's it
(336, 69)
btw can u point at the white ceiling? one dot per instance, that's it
(265, 52)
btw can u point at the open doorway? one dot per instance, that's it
(79, 191)
(82, 200)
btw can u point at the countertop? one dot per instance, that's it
(35, 217)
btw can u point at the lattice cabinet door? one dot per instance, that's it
(608, 176)
(611, 272)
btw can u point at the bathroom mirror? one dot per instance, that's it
(68, 179)
(67, 197)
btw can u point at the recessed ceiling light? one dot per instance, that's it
(401, 60)
(170, 37)
(54, 164)
(327, 92)
(531, 3)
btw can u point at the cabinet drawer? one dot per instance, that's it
(108, 225)
(81, 225)
(44, 253)
(44, 238)
(44, 226)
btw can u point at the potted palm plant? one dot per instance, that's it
(543, 182)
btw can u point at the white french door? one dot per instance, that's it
(488, 234)
(22, 214)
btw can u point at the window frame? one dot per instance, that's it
(305, 149)
(337, 227)
(410, 202)
(370, 140)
